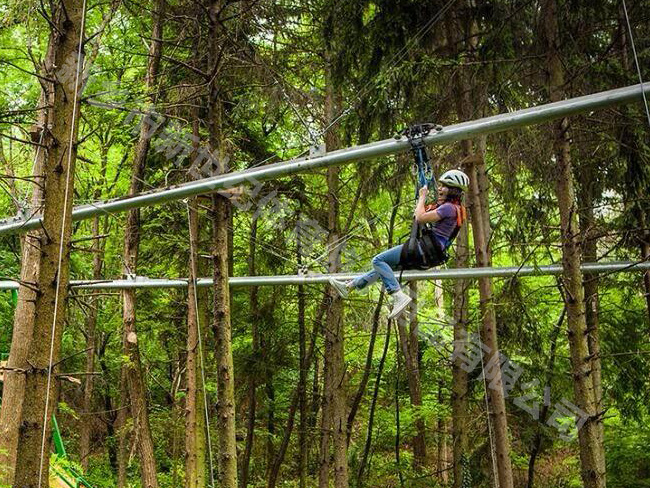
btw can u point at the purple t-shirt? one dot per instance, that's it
(444, 227)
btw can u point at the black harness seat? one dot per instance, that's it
(423, 249)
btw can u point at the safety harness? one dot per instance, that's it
(423, 250)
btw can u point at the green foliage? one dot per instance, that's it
(101, 474)
(628, 459)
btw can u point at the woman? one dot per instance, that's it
(446, 218)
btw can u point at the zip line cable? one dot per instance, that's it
(61, 237)
(636, 62)
(380, 148)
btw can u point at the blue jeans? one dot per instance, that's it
(384, 264)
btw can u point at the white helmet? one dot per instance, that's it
(455, 178)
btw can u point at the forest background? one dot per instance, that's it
(298, 386)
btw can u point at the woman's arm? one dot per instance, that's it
(421, 214)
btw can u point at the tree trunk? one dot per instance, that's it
(539, 434)
(368, 366)
(194, 400)
(91, 323)
(410, 350)
(111, 408)
(40, 313)
(459, 399)
(196, 405)
(466, 107)
(477, 203)
(24, 316)
(415, 385)
(204, 466)
(252, 380)
(122, 431)
(495, 393)
(302, 380)
(442, 440)
(137, 395)
(316, 394)
(227, 446)
(98, 263)
(334, 396)
(591, 448)
(592, 303)
(220, 215)
(269, 392)
(398, 427)
(274, 471)
(371, 414)
(133, 370)
(479, 210)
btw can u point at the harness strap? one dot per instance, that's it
(461, 214)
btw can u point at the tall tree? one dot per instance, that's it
(30, 391)
(460, 384)
(334, 393)
(195, 421)
(303, 453)
(252, 381)
(220, 216)
(488, 333)
(91, 342)
(133, 369)
(195, 406)
(589, 232)
(97, 249)
(592, 454)
(24, 316)
(227, 447)
(477, 197)
(408, 340)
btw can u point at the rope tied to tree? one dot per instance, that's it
(61, 239)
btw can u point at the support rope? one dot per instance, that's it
(198, 326)
(636, 62)
(61, 236)
(495, 472)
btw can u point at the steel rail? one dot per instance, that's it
(451, 133)
(314, 279)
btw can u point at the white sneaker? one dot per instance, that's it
(341, 287)
(400, 301)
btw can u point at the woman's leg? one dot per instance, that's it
(383, 264)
